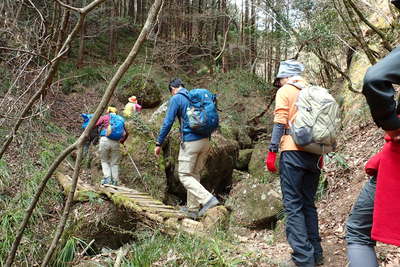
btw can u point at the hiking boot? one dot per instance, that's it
(106, 180)
(210, 204)
(114, 182)
(187, 209)
(319, 259)
(191, 214)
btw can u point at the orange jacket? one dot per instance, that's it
(285, 109)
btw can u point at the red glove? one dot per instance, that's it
(270, 161)
(321, 162)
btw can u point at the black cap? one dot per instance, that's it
(176, 82)
(396, 3)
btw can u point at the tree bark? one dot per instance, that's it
(81, 50)
(112, 33)
(62, 30)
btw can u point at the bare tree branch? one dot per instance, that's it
(385, 41)
(67, 208)
(154, 10)
(25, 51)
(68, 6)
(53, 69)
(225, 38)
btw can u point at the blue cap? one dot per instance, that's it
(289, 68)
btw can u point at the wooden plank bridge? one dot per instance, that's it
(145, 205)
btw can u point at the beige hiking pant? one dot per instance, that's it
(109, 156)
(192, 158)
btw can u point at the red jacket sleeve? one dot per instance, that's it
(372, 166)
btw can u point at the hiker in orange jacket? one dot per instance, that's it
(299, 171)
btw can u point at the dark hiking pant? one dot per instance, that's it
(299, 181)
(360, 246)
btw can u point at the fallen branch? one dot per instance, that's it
(256, 119)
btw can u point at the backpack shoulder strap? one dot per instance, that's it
(187, 97)
(298, 86)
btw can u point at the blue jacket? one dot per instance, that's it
(177, 108)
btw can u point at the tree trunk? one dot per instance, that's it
(62, 30)
(356, 32)
(112, 33)
(81, 50)
(253, 37)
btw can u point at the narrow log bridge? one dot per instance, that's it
(146, 206)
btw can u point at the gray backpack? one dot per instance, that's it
(316, 123)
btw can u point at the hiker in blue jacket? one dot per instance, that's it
(192, 153)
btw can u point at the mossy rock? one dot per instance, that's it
(254, 204)
(217, 173)
(354, 108)
(145, 89)
(237, 133)
(256, 164)
(244, 139)
(109, 226)
(243, 160)
(216, 218)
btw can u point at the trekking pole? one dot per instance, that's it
(130, 157)
(133, 163)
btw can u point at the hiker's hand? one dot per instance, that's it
(394, 135)
(157, 151)
(270, 161)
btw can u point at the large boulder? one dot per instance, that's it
(217, 173)
(254, 204)
(257, 164)
(238, 133)
(144, 88)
